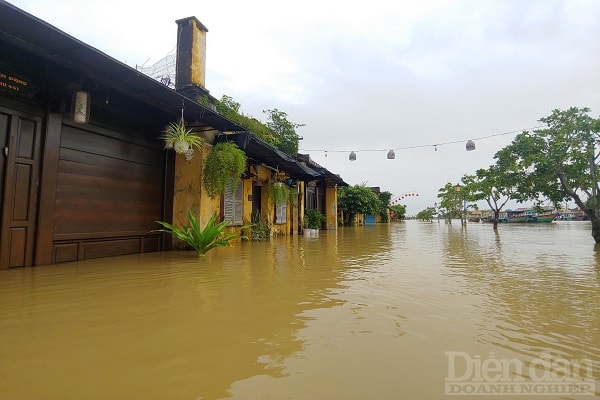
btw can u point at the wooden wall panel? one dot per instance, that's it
(109, 193)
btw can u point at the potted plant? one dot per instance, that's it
(313, 220)
(225, 162)
(181, 139)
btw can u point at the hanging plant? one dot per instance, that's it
(181, 139)
(225, 162)
(279, 192)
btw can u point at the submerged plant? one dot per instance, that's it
(202, 240)
(261, 230)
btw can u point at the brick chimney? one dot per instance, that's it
(191, 57)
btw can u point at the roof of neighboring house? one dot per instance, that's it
(261, 151)
(329, 177)
(31, 34)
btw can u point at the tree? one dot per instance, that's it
(560, 161)
(496, 185)
(357, 199)
(384, 200)
(397, 212)
(451, 201)
(284, 130)
(427, 214)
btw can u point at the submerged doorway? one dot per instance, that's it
(20, 137)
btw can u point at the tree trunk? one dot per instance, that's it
(496, 216)
(595, 227)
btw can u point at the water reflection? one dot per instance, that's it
(538, 287)
(364, 312)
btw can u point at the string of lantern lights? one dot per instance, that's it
(469, 145)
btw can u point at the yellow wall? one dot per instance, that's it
(189, 194)
(331, 207)
(198, 66)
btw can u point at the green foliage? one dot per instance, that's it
(202, 240)
(452, 199)
(384, 200)
(357, 199)
(427, 214)
(284, 130)
(260, 229)
(225, 162)
(399, 211)
(560, 161)
(230, 109)
(279, 192)
(277, 131)
(313, 219)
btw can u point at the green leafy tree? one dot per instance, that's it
(497, 185)
(357, 199)
(427, 214)
(560, 162)
(284, 131)
(384, 199)
(451, 201)
(398, 212)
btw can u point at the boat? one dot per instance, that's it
(544, 218)
(528, 216)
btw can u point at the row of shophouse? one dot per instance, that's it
(83, 171)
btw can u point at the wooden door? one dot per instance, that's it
(20, 137)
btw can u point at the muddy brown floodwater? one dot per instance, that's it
(408, 310)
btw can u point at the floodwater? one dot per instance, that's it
(408, 310)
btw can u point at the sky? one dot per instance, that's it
(418, 76)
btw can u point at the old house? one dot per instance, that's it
(83, 173)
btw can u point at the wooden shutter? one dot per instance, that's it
(232, 203)
(281, 213)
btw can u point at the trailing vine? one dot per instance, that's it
(279, 192)
(225, 162)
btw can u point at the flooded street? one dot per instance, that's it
(377, 312)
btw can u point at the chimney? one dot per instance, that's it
(191, 57)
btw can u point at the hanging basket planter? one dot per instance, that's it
(181, 139)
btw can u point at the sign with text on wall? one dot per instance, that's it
(15, 84)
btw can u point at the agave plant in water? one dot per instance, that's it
(202, 240)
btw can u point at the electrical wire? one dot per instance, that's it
(435, 145)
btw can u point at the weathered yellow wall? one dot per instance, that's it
(199, 56)
(331, 207)
(189, 193)
(301, 203)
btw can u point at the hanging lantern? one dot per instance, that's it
(470, 145)
(352, 156)
(81, 107)
(391, 155)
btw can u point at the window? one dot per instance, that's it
(281, 213)
(232, 203)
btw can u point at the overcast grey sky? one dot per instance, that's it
(373, 75)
